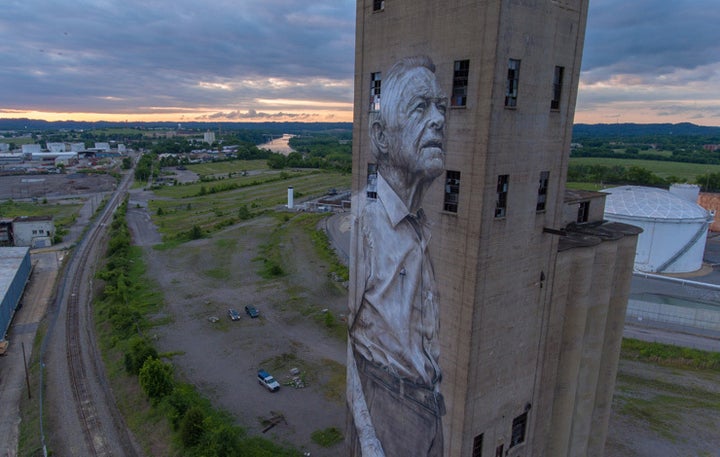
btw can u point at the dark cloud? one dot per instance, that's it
(651, 37)
(100, 56)
(230, 57)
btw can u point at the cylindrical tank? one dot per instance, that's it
(674, 229)
(688, 192)
(290, 198)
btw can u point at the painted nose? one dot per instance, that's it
(437, 117)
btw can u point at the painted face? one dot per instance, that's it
(417, 129)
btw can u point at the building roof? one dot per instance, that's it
(650, 203)
(10, 261)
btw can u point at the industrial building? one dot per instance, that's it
(674, 226)
(15, 268)
(33, 231)
(532, 283)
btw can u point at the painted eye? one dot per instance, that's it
(420, 107)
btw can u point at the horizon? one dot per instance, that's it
(286, 61)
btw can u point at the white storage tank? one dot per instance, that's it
(689, 192)
(674, 229)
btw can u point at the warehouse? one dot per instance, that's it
(674, 228)
(15, 270)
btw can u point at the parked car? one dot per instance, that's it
(252, 311)
(233, 315)
(268, 381)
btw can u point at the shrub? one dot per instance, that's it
(156, 379)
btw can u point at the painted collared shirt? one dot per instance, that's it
(395, 323)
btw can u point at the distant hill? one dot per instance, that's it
(631, 130)
(274, 127)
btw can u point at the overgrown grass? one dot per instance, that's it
(233, 200)
(668, 355)
(232, 166)
(327, 437)
(63, 215)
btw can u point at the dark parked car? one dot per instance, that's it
(233, 315)
(252, 311)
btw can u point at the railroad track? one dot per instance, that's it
(80, 370)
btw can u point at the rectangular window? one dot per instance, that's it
(452, 190)
(375, 80)
(557, 87)
(477, 446)
(542, 190)
(502, 191)
(378, 5)
(513, 79)
(371, 189)
(34, 232)
(583, 212)
(499, 451)
(460, 82)
(518, 430)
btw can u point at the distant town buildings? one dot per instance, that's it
(209, 137)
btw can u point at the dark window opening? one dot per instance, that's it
(583, 212)
(378, 5)
(502, 191)
(513, 79)
(499, 451)
(460, 82)
(542, 190)
(452, 191)
(371, 189)
(518, 430)
(477, 446)
(557, 87)
(375, 81)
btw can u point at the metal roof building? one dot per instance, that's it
(15, 270)
(674, 229)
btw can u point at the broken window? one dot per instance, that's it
(502, 191)
(452, 191)
(513, 79)
(460, 82)
(375, 80)
(557, 87)
(542, 190)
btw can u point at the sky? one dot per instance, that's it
(292, 60)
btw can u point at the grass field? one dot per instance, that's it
(224, 202)
(233, 166)
(63, 215)
(686, 171)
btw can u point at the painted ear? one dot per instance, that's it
(379, 139)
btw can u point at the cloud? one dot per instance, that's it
(96, 55)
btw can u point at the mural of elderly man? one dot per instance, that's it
(394, 377)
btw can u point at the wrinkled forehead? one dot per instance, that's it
(415, 83)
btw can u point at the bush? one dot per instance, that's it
(140, 351)
(156, 379)
(192, 427)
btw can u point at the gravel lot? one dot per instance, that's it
(204, 278)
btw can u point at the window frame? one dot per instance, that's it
(371, 181)
(583, 213)
(503, 186)
(519, 430)
(558, 76)
(451, 198)
(375, 90)
(477, 445)
(461, 74)
(512, 83)
(543, 185)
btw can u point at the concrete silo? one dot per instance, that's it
(674, 229)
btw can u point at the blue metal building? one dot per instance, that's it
(15, 268)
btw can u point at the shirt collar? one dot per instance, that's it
(394, 206)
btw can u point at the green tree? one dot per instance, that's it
(140, 351)
(192, 427)
(156, 379)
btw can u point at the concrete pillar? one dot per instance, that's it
(290, 198)
(571, 350)
(620, 291)
(593, 342)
